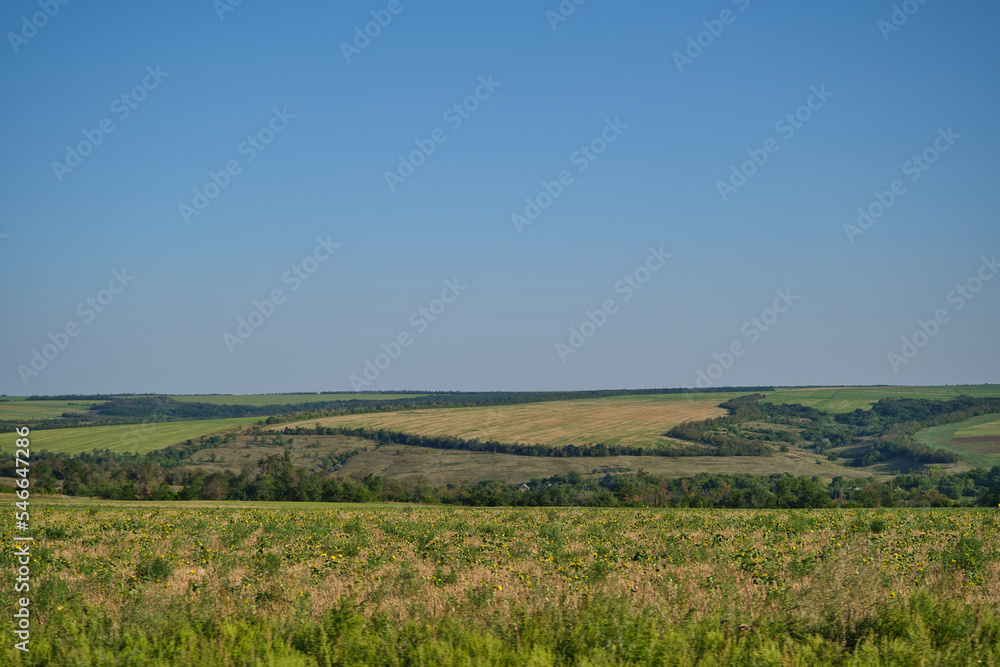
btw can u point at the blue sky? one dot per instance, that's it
(890, 94)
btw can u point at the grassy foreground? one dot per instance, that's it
(186, 584)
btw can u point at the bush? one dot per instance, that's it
(967, 554)
(55, 533)
(153, 569)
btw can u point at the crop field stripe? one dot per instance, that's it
(983, 429)
(14, 410)
(635, 420)
(137, 438)
(943, 437)
(848, 399)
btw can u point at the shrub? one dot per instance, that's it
(153, 569)
(55, 532)
(967, 554)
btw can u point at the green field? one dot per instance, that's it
(847, 399)
(633, 420)
(139, 438)
(304, 584)
(833, 399)
(980, 455)
(985, 429)
(17, 407)
(22, 409)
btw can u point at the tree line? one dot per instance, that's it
(274, 477)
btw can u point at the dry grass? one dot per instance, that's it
(442, 466)
(407, 561)
(626, 420)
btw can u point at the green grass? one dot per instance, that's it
(981, 430)
(21, 409)
(296, 584)
(847, 399)
(983, 456)
(14, 408)
(138, 438)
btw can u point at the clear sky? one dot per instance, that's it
(708, 153)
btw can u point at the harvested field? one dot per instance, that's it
(627, 420)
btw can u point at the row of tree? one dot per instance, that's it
(388, 437)
(274, 477)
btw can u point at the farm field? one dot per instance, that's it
(17, 407)
(984, 455)
(305, 584)
(285, 399)
(847, 399)
(138, 438)
(441, 466)
(633, 420)
(22, 409)
(986, 429)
